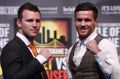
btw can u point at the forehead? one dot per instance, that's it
(88, 13)
(30, 14)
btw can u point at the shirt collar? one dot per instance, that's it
(23, 38)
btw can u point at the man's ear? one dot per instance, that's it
(18, 22)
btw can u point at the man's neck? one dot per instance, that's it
(82, 38)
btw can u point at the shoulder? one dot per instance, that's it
(103, 40)
(11, 43)
(11, 46)
(10, 50)
(106, 41)
(106, 44)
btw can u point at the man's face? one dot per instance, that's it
(30, 23)
(85, 23)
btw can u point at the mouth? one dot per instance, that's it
(34, 30)
(83, 29)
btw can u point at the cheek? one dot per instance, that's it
(25, 28)
(77, 28)
(77, 25)
(92, 28)
(38, 27)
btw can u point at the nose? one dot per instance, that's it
(82, 23)
(34, 23)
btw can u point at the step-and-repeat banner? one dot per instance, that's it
(57, 31)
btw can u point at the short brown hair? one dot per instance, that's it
(27, 6)
(87, 6)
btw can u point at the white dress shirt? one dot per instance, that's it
(107, 58)
(39, 57)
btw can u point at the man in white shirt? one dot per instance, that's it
(93, 56)
(18, 60)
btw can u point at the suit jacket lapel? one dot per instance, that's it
(23, 46)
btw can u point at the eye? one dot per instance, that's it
(87, 19)
(29, 20)
(37, 20)
(79, 19)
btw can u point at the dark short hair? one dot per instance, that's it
(87, 6)
(27, 6)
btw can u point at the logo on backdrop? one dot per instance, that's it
(107, 9)
(55, 35)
